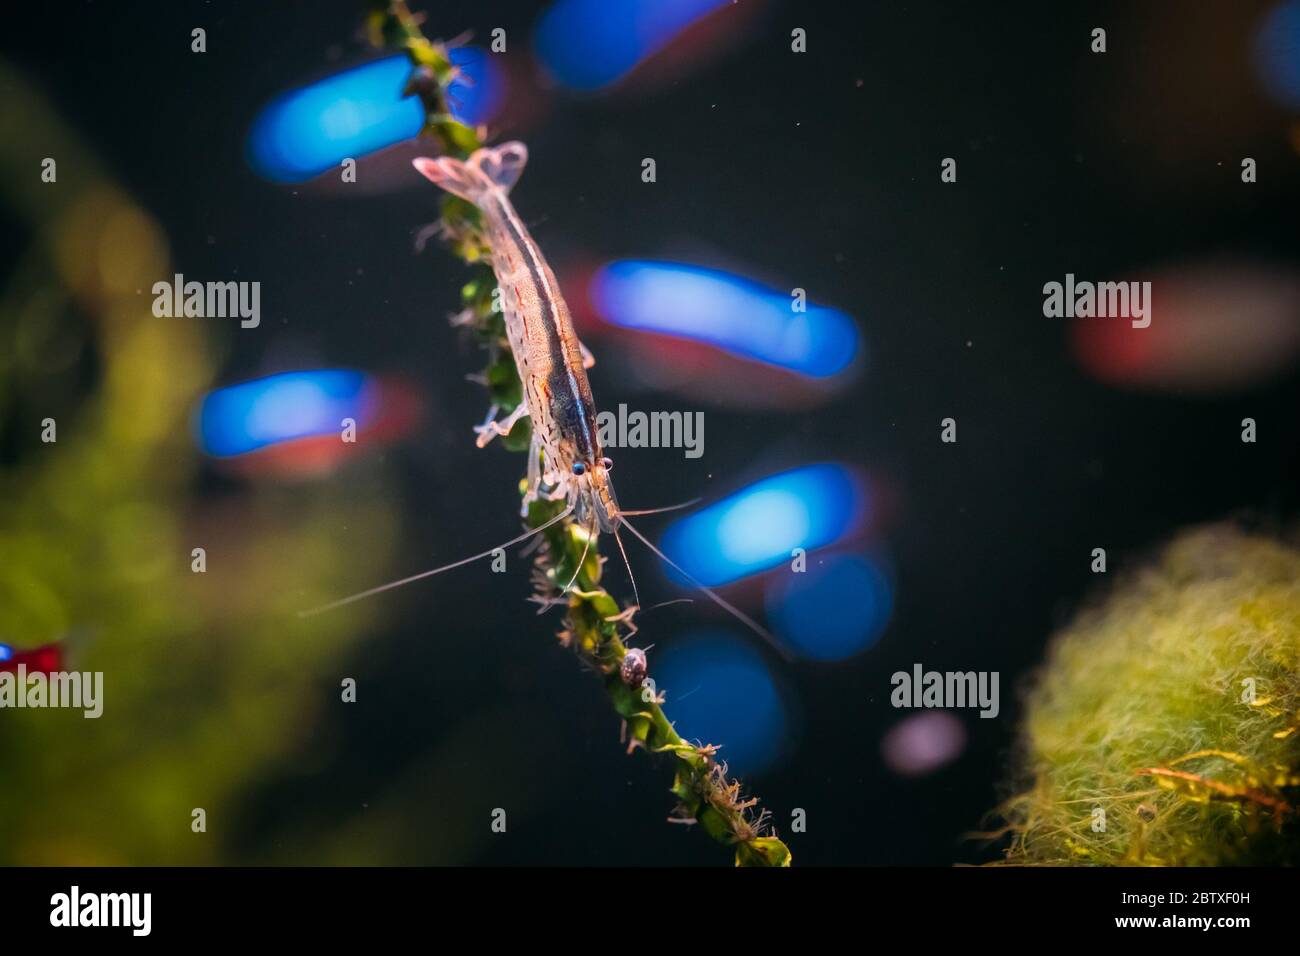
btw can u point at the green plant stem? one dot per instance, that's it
(596, 627)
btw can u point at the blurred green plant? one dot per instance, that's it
(596, 627)
(207, 685)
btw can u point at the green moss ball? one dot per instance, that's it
(1163, 728)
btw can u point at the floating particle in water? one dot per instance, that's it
(923, 743)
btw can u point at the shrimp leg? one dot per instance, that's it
(544, 483)
(491, 429)
(534, 473)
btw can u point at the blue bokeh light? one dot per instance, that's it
(306, 131)
(719, 691)
(589, 44)
(253, 415)
(732, 313)
(838, 607)
(758, 527)
(6, 652)
(1277, 53)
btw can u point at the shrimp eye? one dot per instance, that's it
(579, 468)
(607, 463)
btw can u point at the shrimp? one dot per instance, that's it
(552, 363)
(565, 460)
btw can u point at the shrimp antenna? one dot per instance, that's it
(716, 598)
(627, 564)
(655, 607)
(428, 574)
(658, 511)
(581, 561)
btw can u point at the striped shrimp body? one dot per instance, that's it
(565, 460)
(566, 456)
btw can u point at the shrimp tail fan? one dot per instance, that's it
(488, 169)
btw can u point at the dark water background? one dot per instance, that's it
(1067, 163)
